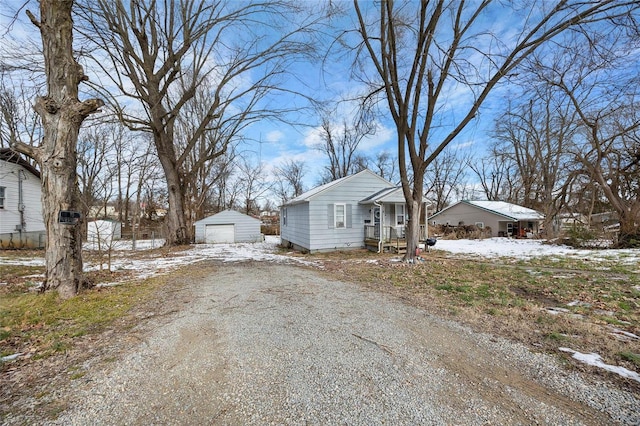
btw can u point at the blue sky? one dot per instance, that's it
(275, 142)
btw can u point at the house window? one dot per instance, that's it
(339, 213)
(480, 225)
(2, 190)
(400, 214)
(284, 216)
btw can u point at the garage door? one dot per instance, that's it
(219, 234)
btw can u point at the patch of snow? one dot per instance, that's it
(626, 334)
(11, 357)
(150, 262)
(555, 310)
(579, 303)
(596, 361)
(504, 247)
(238, 252)
(605, 313)
(527, 248)
(124, 245)
(24, 262)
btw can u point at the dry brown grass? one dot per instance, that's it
(512, 298)
(507, 297)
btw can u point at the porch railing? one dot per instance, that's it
(372, 232)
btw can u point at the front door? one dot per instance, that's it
(376, 221)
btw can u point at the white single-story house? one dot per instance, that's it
(21, 217)
(360, 210)
(504, 219)
(228, 226)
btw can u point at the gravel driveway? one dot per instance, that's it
(264, 343)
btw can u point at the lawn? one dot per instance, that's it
(545, 302)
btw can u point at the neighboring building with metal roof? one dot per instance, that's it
(504, 219)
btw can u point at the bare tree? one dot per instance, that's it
(288, 180)
(211, 154)
(608, 152)
(534, 137)
(94, 171)
(252, 180)
(18, 121)
(492, 172)
(445, 177)
(340, 141)
(161, 54)
(61, 114)
(123, 168)
(595, 124)
(420, 55)
(385, 165)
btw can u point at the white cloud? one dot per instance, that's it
(382, 136)
(274, 136)
(461, 145)
(313, 137)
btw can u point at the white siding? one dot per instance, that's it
(247, 228)
(310, 224)
(31, 197)
(297, 230)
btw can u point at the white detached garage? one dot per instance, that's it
(228, 226)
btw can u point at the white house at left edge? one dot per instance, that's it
(21, 219)
(228, 226)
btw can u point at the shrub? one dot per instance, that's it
(463, 231)
(579, 236)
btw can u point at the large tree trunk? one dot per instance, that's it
(413, 232)
(62, 115)
(629, 236)
(175, 220)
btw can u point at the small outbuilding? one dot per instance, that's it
(103, 230)
(228, 226)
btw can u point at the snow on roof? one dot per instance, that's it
(502, 208)
(507, 209)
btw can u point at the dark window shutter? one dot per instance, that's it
(330, 212)
(348, 219)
